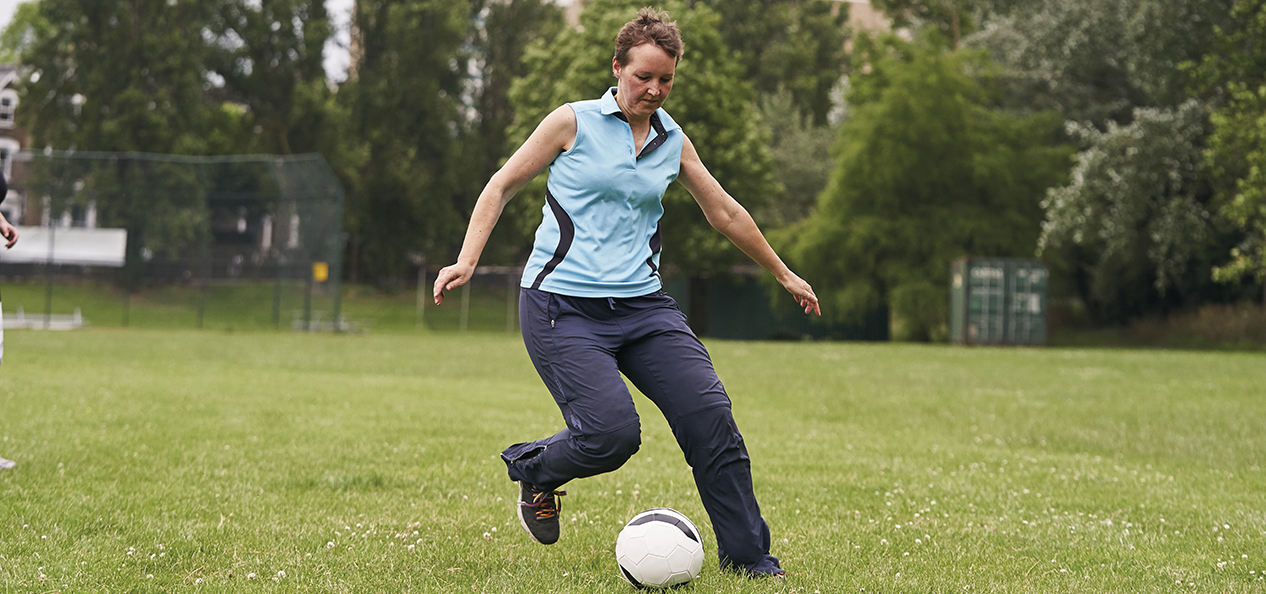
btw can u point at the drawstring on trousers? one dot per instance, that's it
(611, 302)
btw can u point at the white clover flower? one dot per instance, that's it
(281, 574)
(329, 545)
(251, 576)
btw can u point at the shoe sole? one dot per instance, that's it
(522, 520)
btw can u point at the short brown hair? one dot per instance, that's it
(650, 26)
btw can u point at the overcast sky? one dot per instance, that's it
(335, 52)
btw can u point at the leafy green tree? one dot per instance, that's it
(1136, 223)
(1235, 77)
(950, 18)
(25, 26)
(927, 173)
(269, 55)
(407, 112)
(802, 159)
(710, 100)
(116, 76)
(797, 45)
(112, 76)
(502, 33)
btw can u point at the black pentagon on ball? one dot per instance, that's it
(632, 580)
(667, 519)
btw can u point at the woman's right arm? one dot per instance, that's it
(555, 134)
(8, 232)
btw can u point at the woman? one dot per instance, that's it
(593, 307)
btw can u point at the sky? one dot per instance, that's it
(336, 58)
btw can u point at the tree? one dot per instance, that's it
(407, 109)
(950, 18)
(502, 32)
(802, 159)
(1234, 76)
(116, 76)
(1095, 60)
(110, 76)
(269, 55)
(926, 173)
(796, 45)
(1136, 223)
(710, 100)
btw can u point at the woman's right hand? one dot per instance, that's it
(450, 278)
(8, 232)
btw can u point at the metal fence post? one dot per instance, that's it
(48, 274)
(465, 320)
(512, 294)
(422, 292)
(307, 301)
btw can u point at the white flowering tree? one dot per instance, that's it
(1096, 60)
(1136, 224)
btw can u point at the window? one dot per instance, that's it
(8, 149)
(8, 104)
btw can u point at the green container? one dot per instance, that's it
(998, 301)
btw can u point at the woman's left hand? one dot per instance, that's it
(802, 292)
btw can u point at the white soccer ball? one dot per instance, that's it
(659, 548)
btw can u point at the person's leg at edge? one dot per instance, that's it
(671, 366)
(573, 355)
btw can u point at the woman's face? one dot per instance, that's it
(645, 81)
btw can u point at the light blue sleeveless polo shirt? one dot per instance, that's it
(600, 234)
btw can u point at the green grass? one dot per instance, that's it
(187, 455)
(250, 306)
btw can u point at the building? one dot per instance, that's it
(11, 141)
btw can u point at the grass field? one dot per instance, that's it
(160, 460)
(249, 306)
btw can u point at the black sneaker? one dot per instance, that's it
(538, 513)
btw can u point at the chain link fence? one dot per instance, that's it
(139, 239)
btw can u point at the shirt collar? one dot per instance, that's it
(609, 106)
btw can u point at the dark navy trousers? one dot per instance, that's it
(580, 346)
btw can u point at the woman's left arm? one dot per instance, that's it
(729, 217)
